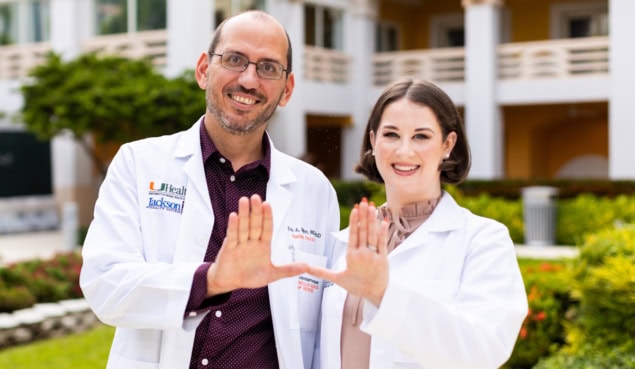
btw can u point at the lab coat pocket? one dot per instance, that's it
(306, 295)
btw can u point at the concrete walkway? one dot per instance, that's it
(24, 246)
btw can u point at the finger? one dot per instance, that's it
(373, 225)
(362, 231)
(267, 223)
(382, 238)
(352, 231)
(231, 237)
(323, 273)
(255, 218)
(243, 219)
(288, 270)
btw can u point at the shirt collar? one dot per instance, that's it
(208, 150)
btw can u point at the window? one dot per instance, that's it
(574, 20)
(8, 23)
(227, 8)
(447, 31)
(151, 14)
(112, 15)
(323, 27)
(34, 16)
(39, 21)
(387, 37)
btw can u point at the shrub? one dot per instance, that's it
(596, 356)
(605, 285)
(15, 298)
(542, 333)
(24, 283)
(603, 325)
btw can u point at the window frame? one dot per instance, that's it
(561, 14)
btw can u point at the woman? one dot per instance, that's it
(431, 285)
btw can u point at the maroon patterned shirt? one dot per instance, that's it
(238, 330)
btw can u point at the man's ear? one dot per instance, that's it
(288, 90)
(202, 70)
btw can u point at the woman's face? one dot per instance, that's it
(408, 148)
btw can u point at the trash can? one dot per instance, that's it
(539, 215)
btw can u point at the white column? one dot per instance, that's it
(190, 25)
(66, 27)
(482, 113)
(359, 43)
(69, 26)
(622, 80)
(288, 125)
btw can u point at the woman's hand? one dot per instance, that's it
(366, 272)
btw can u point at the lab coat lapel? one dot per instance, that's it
(279, 197)
(288, 340)
(198, 217)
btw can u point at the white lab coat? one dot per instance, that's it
(140, 255)
(455, 298)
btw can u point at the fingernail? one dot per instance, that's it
(356, 206)
(372, 203)
(364, 199)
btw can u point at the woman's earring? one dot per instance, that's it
(446, 157)
(372, 153)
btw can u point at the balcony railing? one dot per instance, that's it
(17, 60)
(554, 59)
(326, 65)
(567, 58)
(146, 44)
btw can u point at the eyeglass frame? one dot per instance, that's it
(246, 65)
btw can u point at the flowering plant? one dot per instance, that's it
(542, 332)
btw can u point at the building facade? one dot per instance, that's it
(544, 85)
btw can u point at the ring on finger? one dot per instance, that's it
(372, 248)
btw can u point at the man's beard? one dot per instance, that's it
(225, 122)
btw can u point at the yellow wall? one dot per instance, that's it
(414, 21)
(529, 20)
(540, 139)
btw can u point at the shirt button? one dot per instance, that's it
(204, 361)
(222, 160)
(192, 313)
(218, 313)
(232, 178)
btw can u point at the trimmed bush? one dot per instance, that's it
(35, 281)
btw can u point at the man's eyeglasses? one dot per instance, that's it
(266, 68)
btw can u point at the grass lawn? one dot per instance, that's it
(87, 350)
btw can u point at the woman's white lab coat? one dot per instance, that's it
(151, 226)
(455, 298)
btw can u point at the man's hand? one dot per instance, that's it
(244, 260)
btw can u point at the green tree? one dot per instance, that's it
(113, 98)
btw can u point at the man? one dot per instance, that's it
(153, 262)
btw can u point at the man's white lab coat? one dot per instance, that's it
(152, 223)
(455, 298)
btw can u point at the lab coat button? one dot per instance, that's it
(204, 361)
(218, 313)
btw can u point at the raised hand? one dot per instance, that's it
(244, 260)
(366, 272)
